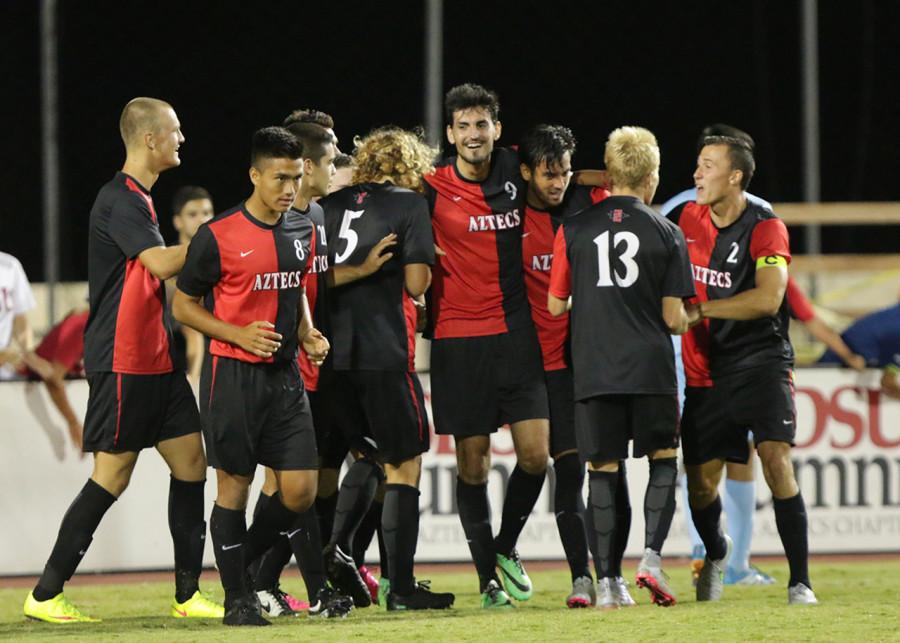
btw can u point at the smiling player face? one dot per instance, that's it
(473, 132)
(547, 184)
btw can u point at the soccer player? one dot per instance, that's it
(192, 206)
(343, 173)
(627, 271)
(486, 367)
(372, 321)
(136, 400)
(250, 264)
(546, 154)
(738, 360)
(16, 336)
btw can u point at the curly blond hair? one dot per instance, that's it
(632, 154)
(395, 155)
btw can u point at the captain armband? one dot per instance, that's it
(771, 260)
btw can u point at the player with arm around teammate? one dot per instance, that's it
(627, 271)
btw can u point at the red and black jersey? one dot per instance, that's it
(64, 344)
(538, 233)
(618, 259)
(723, 262)
(477, 288)
(372, 320)
(250, 271)
(127, 331)
(316, 293)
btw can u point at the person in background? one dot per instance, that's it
(16, 299)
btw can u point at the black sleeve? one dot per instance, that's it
(675, 213)
(418, 241)
(203, 267)
(430, 196)
(678, 280)
(132, 227)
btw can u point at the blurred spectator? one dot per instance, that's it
(803, 311)
(60, 355)
(16, 299)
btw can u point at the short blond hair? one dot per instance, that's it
(140, 115)
(632, 154)
(394, 154)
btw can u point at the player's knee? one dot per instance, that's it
(473, 470)
(298, 498)
(533, 459)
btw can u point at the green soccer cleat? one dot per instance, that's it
(515, 580)
(493, 597)
(55, 610)
(384, 590)
(197, 606)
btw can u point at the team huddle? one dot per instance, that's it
(550, 299)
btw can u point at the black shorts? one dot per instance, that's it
(133, 412)
(330, 441)
(605, 423)
(561, 396)
(478, 384)
(382, 414)
(716, 420)
(256, 414)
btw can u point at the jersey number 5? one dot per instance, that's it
(348, 234)
(632, 244)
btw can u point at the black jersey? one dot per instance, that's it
(250, 271)
(724, 262)
(368, 318)
(127, 330)
(618, 259)
(316, 293)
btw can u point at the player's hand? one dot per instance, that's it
(257, 338)
(375, 259)
(856, 362)
(438, 251)
(316, 346)
(421, 314)
(693, 314)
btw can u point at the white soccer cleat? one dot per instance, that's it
(606, 594)
(800, 594)
(623, 596)
(711, 581)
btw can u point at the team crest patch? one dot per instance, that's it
(617, 215)
(361, 196)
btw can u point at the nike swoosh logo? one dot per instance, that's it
(227, 547)
(787, 421)
(181, 613)
(457, 198)
(512, 580)
(689, 240)
(244, 254)
(525, 234)
(293, 533)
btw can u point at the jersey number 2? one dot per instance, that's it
(632, 244)
(348, 234)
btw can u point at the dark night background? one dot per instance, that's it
(229, 68)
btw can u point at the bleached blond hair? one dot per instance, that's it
(632, 154)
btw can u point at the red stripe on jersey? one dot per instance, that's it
(212, 381)
(415, 401)
(560, 271)
(309, 371)
(411, 314)
(140, 343)
(247, 253)
(700, 235)
(118, 407)
(537, 257)
(134, 187)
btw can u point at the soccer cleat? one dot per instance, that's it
(344, 576)
(55, 610)
(751, 576)
(800, 594)
(651, 576)
(330, 604)
(709, 584)
(370, 581)
(766, 579)
(623, 596)
(698, 553)
(245, 611)
(606, 595)
(493, 597)
(197, 606)
(275, 603)
(422, 598)
(295, 603)
(583, 593)
(515, 580)
(384, 590)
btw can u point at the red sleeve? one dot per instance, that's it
(65, 342)
(560, 279)
(770, 238)
(801, 309)
(598, 194)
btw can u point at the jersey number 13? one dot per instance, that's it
(632, 243)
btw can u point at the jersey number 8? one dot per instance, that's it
(632, 244)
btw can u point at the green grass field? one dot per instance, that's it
(859, 602)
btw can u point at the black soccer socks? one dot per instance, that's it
(266, 573)
(354, 498)
(267, 528)
(623, 520)
(568, 505)
(400, 523)
(188, 531)
(790, 518)
(521, 494)
(325, 508)
(709, 528)
(305, 539)
(475, 516)
(75, 535)
(602, 497)
(366, 531)
(228, 528)
(659, 502)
